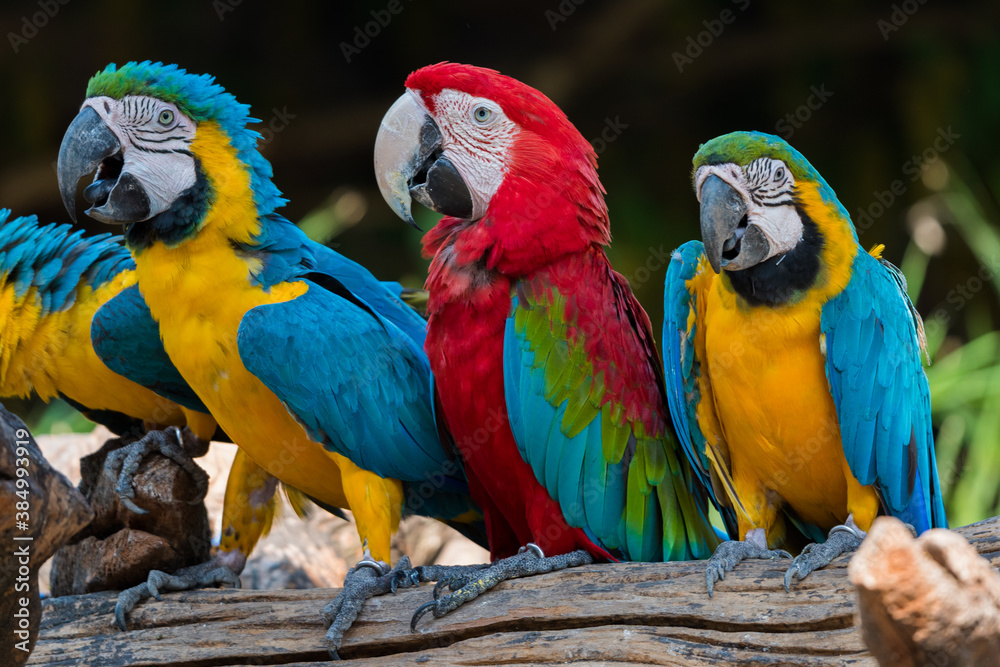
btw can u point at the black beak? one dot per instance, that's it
(89, 145)
(730, 241)
(410, 164)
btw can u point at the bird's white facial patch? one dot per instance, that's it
(768, 189)
(476, 136)
(156, 144)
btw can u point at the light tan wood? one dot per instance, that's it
(926, 601)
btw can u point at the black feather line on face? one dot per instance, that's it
(782, 279)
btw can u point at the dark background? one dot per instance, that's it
(893, 76)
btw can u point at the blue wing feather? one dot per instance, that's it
(880, 391)
(682, 367)
(348, 387)
(362, 387)
(286, 253)
(56, 260)
(679, 358)
(530, 414)
(618, 504)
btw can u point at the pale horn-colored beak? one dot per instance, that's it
(410, 164)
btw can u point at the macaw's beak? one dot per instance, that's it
(410, 164)
(731, 243)
(115, 196)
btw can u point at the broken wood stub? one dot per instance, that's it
(119, 547)
(39, 510)
(927, 601)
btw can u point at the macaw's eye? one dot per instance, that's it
(482, 115)
(780, 174)
(166, 117)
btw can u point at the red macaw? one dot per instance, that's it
(547, 377)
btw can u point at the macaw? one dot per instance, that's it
(793, 360)
(53, 280)
(546, 374)
(312, 366)
(61, 296)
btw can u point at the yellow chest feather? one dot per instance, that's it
(772, 397)
(199, 295)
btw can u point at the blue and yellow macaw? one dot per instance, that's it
(61, 298)
(53, 280)
(312, 366)
(793, 363)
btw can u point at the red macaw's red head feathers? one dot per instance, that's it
(479, 146)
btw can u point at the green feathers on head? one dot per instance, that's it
(200, 98)
(742, 148)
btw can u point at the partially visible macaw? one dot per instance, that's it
(793, 360)
(546, 373)
(53, 280)
(310, 364)
(65, 301)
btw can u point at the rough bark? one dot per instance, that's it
(119, 547)
(37, 515)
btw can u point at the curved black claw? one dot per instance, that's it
(524, 564)
(122, 464)
(204, 575)
(421, 611)
(730, 554)
(368, 579)
(451, 583)
(841, 540)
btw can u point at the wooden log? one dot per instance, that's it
(638, 613)
(39, 511)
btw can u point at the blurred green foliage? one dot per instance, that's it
(965, 374)
(57, 416)
(887, 96)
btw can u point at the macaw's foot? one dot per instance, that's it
(729, 554)
(122, 464)
(841, 540)
(210, 573)
(473, 582)
(369, 578)
(446, 576)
